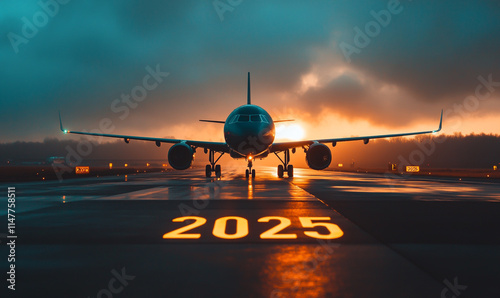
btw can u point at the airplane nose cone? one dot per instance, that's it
(249, 139)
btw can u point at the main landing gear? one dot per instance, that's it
(250, 170)
(212, 167)
(285, 167)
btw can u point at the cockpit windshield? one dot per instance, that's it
(249, 118)
(243, 118)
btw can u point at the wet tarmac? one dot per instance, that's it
(319, 234)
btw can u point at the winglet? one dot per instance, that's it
(249, 101)
(440, 122)
(61, 125)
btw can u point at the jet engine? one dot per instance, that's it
(180, 156)
(318, 156)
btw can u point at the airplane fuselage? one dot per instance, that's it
(249, 131)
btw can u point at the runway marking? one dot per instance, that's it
(405, 189)
(242, 230)
(221, 224)
(153, 193)
(178, 234)
(307, 222)
(273, 232)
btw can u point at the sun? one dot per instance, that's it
(291, 132)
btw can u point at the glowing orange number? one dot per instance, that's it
(178, 234)
(307, 222)
(220, 227)
(273, 232)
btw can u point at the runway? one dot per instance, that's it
(319, 234)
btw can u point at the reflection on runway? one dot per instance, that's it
(264, 237)
(291, 271)
(416, 187)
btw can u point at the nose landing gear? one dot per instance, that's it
(247, 173)
(250, 170)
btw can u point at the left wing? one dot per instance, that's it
(276, 147)
(216, 146)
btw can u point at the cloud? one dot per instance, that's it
(90, 53)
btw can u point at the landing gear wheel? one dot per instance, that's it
(247, 173)
(218, 171)
(213, 167)
(253, 173)
(208, 171)
(284, 166)
(280, 171)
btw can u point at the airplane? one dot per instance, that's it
(249, 133)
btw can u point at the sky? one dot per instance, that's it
(339, 68)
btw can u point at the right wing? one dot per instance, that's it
(277, 147)
(216, 146)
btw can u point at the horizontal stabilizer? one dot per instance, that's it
(213, 121)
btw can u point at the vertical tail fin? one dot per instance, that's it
(249, 101)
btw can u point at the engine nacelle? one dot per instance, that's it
(318, 156)
(180, 156)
